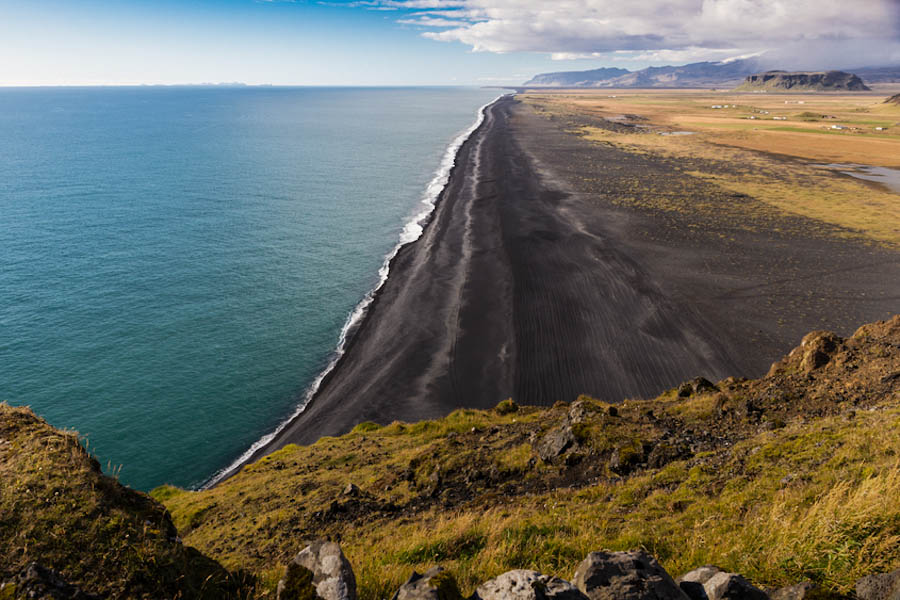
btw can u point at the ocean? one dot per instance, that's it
(178, 265)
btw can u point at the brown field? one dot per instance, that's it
(776, 156)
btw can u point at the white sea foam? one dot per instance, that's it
(411, 232)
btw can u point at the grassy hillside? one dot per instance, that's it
(793, 476)
(57, 508)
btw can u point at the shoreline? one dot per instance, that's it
(412, 231)
(524, 285)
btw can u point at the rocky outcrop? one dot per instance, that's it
(527, 585)
(320, 567)
(616, 575)
(818, 81)
(895, 99)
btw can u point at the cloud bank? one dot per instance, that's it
(665, 30)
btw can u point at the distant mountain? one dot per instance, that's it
(701, 74)
(695, 75)
(889, 74)
(577, 78)
(806, 81)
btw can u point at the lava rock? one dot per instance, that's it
(555, 442)
(731, 586)
(522, 584)
(885, 586)
(435, 584)
(697, 385)
(633, 575)
(798, 591)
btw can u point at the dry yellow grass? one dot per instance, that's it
(754, 151)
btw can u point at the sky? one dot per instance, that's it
(422, 42)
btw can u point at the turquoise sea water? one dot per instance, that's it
(176, 264)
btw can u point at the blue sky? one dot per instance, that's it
(416, 42)
(193, 41)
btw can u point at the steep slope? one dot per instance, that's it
(782, 478)
(59, 510)
(805, 81)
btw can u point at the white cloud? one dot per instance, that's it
(659, 30)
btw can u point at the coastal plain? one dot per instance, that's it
(575, 250)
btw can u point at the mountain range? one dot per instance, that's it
(701, 74)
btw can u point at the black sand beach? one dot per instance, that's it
(531, 282)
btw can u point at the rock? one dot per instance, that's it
(332, 575)
(691, 583)
(555, 442)
(633, 575)
(39, 582)
(818, 348)
(351, 490)
(885, 586)
(799, 591)
(697, 385)
(624, 459)
(527, 585)
(435, 584)
(731, 586)
(664, 453)
(296, 584)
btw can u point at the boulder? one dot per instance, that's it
(555, 442)
(332, 575)
(691, 583)
(798, 591)
(435, 584)
(885, 586)
(731, 586)
(527, 585)
(633, 575)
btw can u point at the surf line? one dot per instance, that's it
(411, 232)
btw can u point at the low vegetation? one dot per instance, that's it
(773, 149)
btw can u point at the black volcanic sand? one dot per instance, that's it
(542, 276)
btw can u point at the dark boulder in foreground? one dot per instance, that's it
(522, 584)
(633, 575)
(879, 587)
